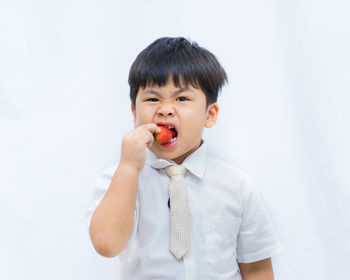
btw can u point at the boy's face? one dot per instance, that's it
(180, 107)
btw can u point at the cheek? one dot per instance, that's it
(143, 116)
(195, 126)
(138, 121)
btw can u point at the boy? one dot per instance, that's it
(169, 209)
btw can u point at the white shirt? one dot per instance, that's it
(228, 221)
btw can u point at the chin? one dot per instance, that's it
(165, 154)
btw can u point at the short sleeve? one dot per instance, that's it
(257, 239)
(103, 181)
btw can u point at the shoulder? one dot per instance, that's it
(223, 167)
(108, 171)
(105, 176)
(228, 175)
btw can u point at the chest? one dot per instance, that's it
(211, 200)
(215, 210)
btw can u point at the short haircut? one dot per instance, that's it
(182, 59)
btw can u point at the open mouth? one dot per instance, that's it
(174, 132)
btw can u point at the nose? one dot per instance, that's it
(165, 110)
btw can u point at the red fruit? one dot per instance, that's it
(164, 136)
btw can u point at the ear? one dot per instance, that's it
(133, 110)
(212, 115)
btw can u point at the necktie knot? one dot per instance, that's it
(174, 170)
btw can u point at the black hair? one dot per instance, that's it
(182, 59)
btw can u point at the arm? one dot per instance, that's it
(260, 270)
(112, 222)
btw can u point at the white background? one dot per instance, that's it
(64, 107)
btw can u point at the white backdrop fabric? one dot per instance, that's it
(64, 107)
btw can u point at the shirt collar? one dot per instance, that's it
(195, 162)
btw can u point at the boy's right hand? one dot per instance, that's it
(134, 145)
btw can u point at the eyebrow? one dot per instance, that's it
(176, 92)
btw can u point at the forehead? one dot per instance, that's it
(168, 82)
(167, 87)
(154, 87)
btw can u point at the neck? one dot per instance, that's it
(179, 160)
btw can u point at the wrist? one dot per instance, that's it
(128, 167)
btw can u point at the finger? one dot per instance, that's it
(150, 144)
(152, 127)
(150, 141)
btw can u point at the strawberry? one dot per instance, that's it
(164, 136)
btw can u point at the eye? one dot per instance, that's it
(182, 98)
(152, 99)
